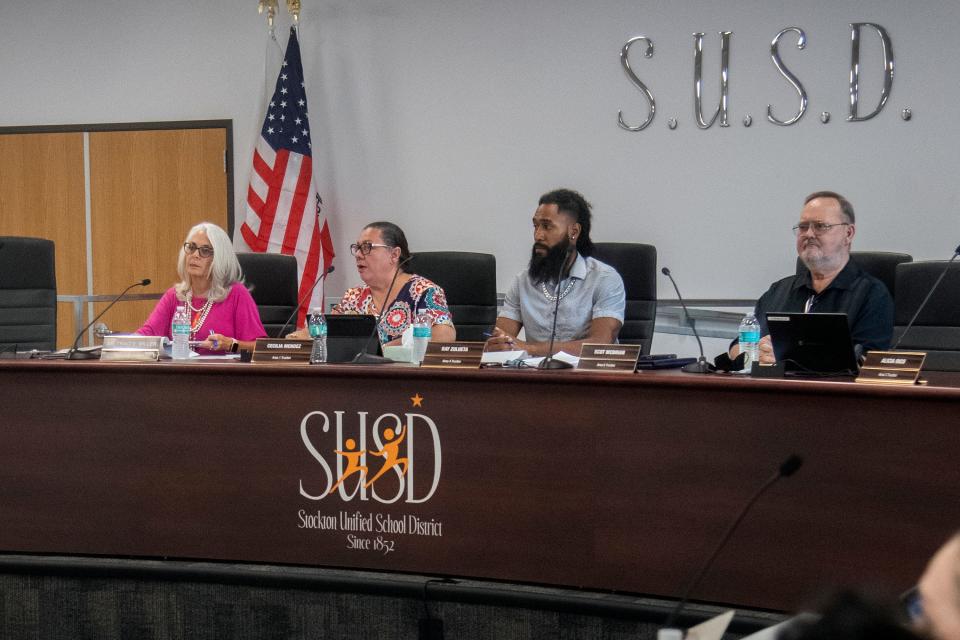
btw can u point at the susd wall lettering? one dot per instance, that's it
(354, 460)
(721, 112)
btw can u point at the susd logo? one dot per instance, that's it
(382, 453)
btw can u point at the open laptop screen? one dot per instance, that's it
(812, 343)
(348, 334)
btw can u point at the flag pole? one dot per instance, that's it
(270, 6)
(283, 204)
(294, 7)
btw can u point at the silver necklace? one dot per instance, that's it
(553, 298)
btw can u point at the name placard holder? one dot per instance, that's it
(282, 350)
(121, 348)
(616, 358)
(892, 367)
(453, 355)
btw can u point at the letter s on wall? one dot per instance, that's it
(790, 77)
(625, 62)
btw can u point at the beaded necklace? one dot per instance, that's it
(199, 315)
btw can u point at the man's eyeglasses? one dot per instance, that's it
(819, 228)
(205, 250)
(366, 247)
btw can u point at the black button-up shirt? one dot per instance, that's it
(862, 297)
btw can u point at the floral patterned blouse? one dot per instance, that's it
(419, 295)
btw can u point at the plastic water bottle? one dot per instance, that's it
(422, 332)
(749, 340)
(317, 325)
(181, 333)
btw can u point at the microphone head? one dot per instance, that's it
(665, 272)
(145, 282)
(955, 251)
(790, 466)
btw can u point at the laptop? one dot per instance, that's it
(347, 335)
(813, 344)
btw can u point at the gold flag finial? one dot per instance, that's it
(271, 8)
(293, 6)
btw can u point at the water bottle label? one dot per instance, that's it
(318, 330)
(421, 332)
(181, 328)
(749, 336)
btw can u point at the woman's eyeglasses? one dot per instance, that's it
(365, 248)
(205, 251)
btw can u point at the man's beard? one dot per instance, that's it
(544, 268)
(818, 261)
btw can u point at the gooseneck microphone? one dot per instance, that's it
(936, 284)
(787, 468)
(73, 354)
(701, 365)
(362, 356)
(301, 301)
(550, 362)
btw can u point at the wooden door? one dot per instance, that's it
(42, 196)
(148, 188)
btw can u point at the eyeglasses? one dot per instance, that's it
(912, 603)
(366, 247)
(205, 250)
(819, 228)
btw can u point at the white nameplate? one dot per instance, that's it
(131, 348)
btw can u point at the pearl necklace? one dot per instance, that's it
(553, 298)
(203, 311)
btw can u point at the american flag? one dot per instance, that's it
(283, 205)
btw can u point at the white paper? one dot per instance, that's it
(712, 629)
(563, 356)
(499, 357)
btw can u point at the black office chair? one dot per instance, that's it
(880, 264)
(272, 279)
(637, 265)
(937, 328)
(470, 283)
(28, 294)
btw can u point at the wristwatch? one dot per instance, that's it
(235, 347)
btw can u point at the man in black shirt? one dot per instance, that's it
(831, 282)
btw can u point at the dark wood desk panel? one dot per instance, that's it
(587, 480)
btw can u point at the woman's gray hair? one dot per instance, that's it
(224, 269)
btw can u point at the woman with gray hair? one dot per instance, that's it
(223, 315)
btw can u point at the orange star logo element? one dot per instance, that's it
(417, 400)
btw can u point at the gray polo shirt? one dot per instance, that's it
(591, 290)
